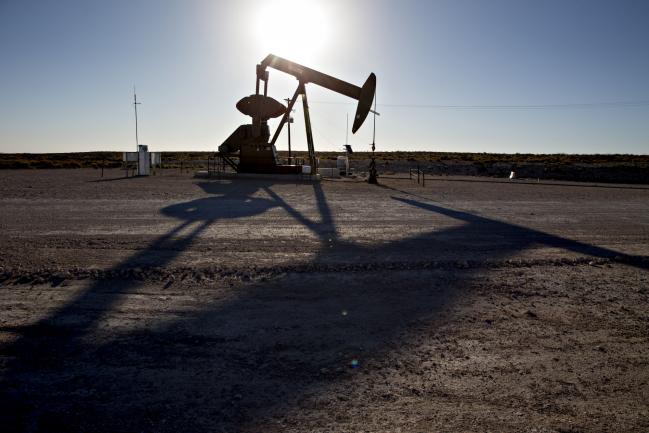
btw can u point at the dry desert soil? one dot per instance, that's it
(177, 304)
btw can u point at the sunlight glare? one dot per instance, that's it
(294, 29)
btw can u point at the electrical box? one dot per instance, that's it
(343, 165)
(143, 160)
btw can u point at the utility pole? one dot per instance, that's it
(290, 120)
(347, 133)
(135, 104)
(373, 175)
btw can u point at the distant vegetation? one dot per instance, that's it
(85, 159)
(173, 159)
(61, 160)
(491, 158)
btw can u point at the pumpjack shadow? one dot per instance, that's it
(235, 360)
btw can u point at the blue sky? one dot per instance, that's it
(445, 69)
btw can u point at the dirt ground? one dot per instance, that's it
(173, 303)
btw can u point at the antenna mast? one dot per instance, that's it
(290, 120)
(135, 104)
(373, 175)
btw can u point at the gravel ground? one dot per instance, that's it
(170, 303)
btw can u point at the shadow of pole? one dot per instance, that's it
(525, 236)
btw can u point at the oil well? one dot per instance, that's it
(251, 149)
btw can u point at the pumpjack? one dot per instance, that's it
(252, 143)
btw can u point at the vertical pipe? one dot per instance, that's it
(289, 140)
(255, 120)
(137, 141)
(372, 175)
(347, 133)
(289, 108)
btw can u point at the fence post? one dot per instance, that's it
(423, 178)
(418, 174)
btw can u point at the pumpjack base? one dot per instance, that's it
(265, 164)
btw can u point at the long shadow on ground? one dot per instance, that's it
(239, 360)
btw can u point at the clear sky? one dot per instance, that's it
(453, 75)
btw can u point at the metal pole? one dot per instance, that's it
(256, 121)
(288, 104)
(309, 133)
(287, 115)
(135, 104)
(373, 175)
(347, 132)
(289, 141)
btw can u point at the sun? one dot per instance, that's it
(294, 29)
